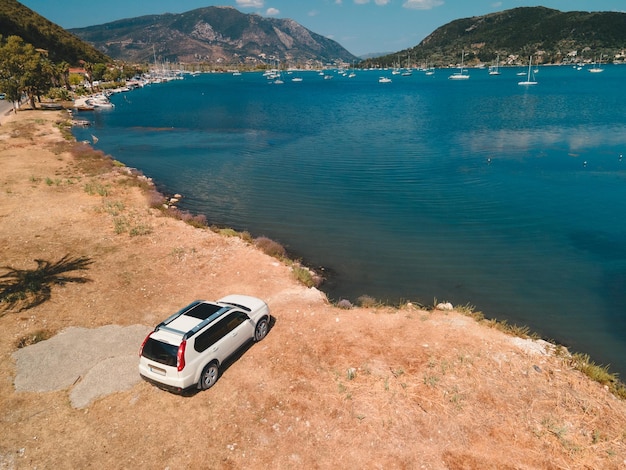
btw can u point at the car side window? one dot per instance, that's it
(208, 338)
(235, 319)
(211, 336)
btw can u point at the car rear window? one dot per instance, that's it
(160, 352)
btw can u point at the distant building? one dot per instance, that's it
(78, 71)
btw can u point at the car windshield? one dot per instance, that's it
(160, 352)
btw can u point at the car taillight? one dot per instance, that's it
(180, 356)
(143, 344)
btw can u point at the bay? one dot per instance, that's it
(481, 192)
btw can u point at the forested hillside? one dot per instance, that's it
(61, 46)
(550, 35)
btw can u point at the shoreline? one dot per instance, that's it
(456, 285)
(435, 388)
(349, 302)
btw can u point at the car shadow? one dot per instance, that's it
(224, 366)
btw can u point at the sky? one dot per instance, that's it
(360, 26)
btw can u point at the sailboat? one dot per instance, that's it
(396, 68)
(528, 80)
(494, 70)
(597, 68)
(352, 74)
(408, 71)
(278, 78)
(460, 75)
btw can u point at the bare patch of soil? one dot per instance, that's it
(361, 388)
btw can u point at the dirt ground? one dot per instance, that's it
(376, 388)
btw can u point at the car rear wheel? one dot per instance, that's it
(261, 329)
(209, 376)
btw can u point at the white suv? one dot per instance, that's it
(186, 350)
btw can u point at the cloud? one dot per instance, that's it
(250, 3)
(272, 12)
(382, 3)
(313, 13)
(361, 2)
(496, 4)
(422, 4)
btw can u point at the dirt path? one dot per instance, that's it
(361, 388)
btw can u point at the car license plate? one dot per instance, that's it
(157, 370)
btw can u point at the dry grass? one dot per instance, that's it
(270, 247)
(90, 161)
(33, 338)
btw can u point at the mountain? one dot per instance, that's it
(215, 35)
(18, 20)
(552, 36)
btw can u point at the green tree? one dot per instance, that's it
(23, 70)
(38, 79)
(62, 75)
(76, 79)
(129, 71)
(88, 66)
(112, 74)
(11, 68)
(99, 71)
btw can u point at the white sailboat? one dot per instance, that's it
(460, 75)
(408, 70)
(494, 69)
(597, 68)
(352, 74)
(278, 78)
(396, 68)
(528, 80)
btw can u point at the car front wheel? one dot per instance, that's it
(209, 376)
(261, 329)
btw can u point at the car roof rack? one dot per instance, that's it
(173, 317)
(188, 334)
(203, 323)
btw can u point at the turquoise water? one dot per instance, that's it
(483, 192)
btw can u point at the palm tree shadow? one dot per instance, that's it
(23, 289)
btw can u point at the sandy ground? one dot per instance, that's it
(361, 388)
